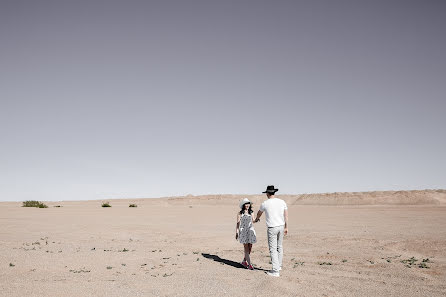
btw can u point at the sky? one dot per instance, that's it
(130, 99)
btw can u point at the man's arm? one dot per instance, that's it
(259, 214)
(285, 215)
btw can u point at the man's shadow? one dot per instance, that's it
(226, 261)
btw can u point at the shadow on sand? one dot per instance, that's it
(226, 262)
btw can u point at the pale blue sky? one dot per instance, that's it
(116, 99)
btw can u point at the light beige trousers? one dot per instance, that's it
(275, 241)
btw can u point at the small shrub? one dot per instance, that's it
(133, 205)
(299, 263)
(33, 203)
(106, 204)
(409, 262)
(11, 265)
(413, 262)
(109, 267)
(80, 270)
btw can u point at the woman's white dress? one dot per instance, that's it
(247, 234)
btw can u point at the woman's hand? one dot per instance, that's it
(236, 235)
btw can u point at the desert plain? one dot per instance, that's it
(390, 243)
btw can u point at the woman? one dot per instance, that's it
(245, 231)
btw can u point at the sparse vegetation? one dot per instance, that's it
(11, 265)
(389, 259)
(109, 267)
(106, 204)
(413, 262)
(123, 250)
(80, 270)
(133, 205)
(409, 262)
(57, 206)
(324, 263)
(298, 263)
(344, 260)
(34, 203)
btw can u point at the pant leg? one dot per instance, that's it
(280, 244)
(272, 244)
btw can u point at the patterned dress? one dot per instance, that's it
(247, 234)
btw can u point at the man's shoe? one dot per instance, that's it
(272, 273)
(244, 264)
(250, 267)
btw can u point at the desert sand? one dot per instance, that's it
(339, 244)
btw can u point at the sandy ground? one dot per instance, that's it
(341, 244)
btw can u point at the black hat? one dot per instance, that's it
(270, 189)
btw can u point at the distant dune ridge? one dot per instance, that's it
(414, 197)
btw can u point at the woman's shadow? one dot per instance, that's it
(226, 261)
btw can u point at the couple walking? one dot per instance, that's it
(276, 212)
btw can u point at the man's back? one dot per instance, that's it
(274, 209)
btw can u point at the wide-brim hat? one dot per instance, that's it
(244, 201)
(270, 189)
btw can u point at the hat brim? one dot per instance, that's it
(244, 202)
(271, 191)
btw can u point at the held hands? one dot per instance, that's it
(236, 235)
(257, 220)
(285, 231)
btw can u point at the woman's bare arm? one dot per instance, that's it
(237, 226)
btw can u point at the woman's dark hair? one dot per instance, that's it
(249, 209)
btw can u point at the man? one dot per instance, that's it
(277, 222)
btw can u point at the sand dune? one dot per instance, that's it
(416, 197)
(339, 244)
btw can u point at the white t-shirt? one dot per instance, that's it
(273, 208)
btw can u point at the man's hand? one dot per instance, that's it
(259, 214)
(236, 235)
(285, 231)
